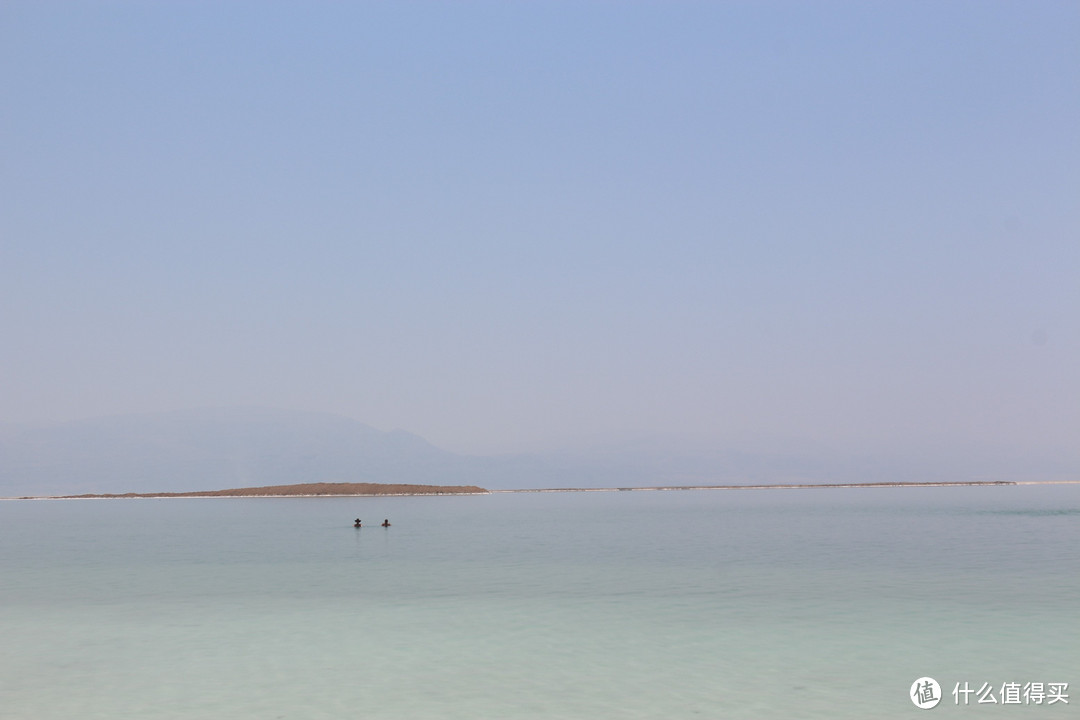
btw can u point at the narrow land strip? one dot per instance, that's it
(384, 489)
(301, 490)
(805, 486)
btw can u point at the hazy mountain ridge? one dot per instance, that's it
(209, 449)
(213, 449)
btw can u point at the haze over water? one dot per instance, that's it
(591, 243)
(749, 603)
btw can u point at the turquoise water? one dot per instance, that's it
(712, 604)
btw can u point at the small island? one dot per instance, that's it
(302, 490)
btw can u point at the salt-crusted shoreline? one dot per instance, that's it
(805, 486)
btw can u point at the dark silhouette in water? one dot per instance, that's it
(356, 523)
(386, 523)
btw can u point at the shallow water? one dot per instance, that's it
(723, 604)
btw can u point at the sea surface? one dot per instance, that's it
(757, 604)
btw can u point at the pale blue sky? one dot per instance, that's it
(515, 226)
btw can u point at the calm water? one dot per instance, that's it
(738, 604)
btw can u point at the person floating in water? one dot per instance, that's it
(356, 523)
(386, 523)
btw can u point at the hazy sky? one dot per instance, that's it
(510, 226)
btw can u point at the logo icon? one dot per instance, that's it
(925, 693)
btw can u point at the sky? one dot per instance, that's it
(516, 227)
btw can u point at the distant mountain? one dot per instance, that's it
(212, 449)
